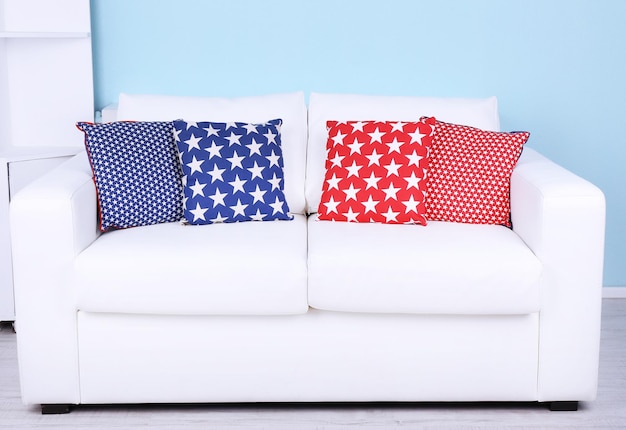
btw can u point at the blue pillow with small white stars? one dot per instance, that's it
(136, 171)
(232, 172)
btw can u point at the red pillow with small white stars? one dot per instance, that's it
(376, 171)
(470, 174)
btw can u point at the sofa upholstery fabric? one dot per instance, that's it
(253, 268)
(315, 357)
(441, 268)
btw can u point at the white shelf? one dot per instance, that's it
(46, 86)
(43, 35)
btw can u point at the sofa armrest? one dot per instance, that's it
(561, 217)
(52, 220)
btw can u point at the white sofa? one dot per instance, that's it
(318, 311)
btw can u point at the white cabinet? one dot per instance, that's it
(46, 86)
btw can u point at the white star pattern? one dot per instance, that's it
(353, 170)
(216, 173)
(398, 126)
(210, 131)
(380, 164)
(197, 189)
(414, 158)
(351, 216)
(191, 124)
(333, 182)
(198, 212)
(351, 192)
(416, 136)
(213, 150)
(219, 218)
(336, 161)
(470, 174)
(277, 206)
(192, 143)
(275, 182)
(195, 165)
(331, 205)
(254, 147)
(411, 204)
(271, 136)
(370, 205)
(258, 194)
(258, 216)
(355, 147)
(374, 158)
(392, 168)
(394, 146)
(376, 136)
(251, 128)
(274, 159)
(357, 126)
(391, 215)
(372, 181)
(137, 172)
(237, 185)
(256, 171)
(239, 209)
(338, 139)
(391, 192)
(233, 139)
(233, 171)
(218, 197)
(413, 181)
(235, 160)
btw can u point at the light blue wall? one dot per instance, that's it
(558, 67)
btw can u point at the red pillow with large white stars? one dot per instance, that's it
(376, 171)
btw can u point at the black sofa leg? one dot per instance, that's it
(564, 406)
(56, 408)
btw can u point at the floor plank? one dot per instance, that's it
(607, 412)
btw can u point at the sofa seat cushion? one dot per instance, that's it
(441, 268)
(253, 268)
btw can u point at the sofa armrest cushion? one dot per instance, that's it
(542, 192)
(561, 217)
(61, 203)
(52, 220)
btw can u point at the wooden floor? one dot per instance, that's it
(607, 412)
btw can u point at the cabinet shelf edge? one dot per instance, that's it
(44, 34)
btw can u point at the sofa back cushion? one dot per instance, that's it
(476, 112)
(290, 107)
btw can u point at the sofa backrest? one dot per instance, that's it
(476, 112)
(289, 107)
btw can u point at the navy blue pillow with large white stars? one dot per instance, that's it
(137, 172)
(232, 172)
